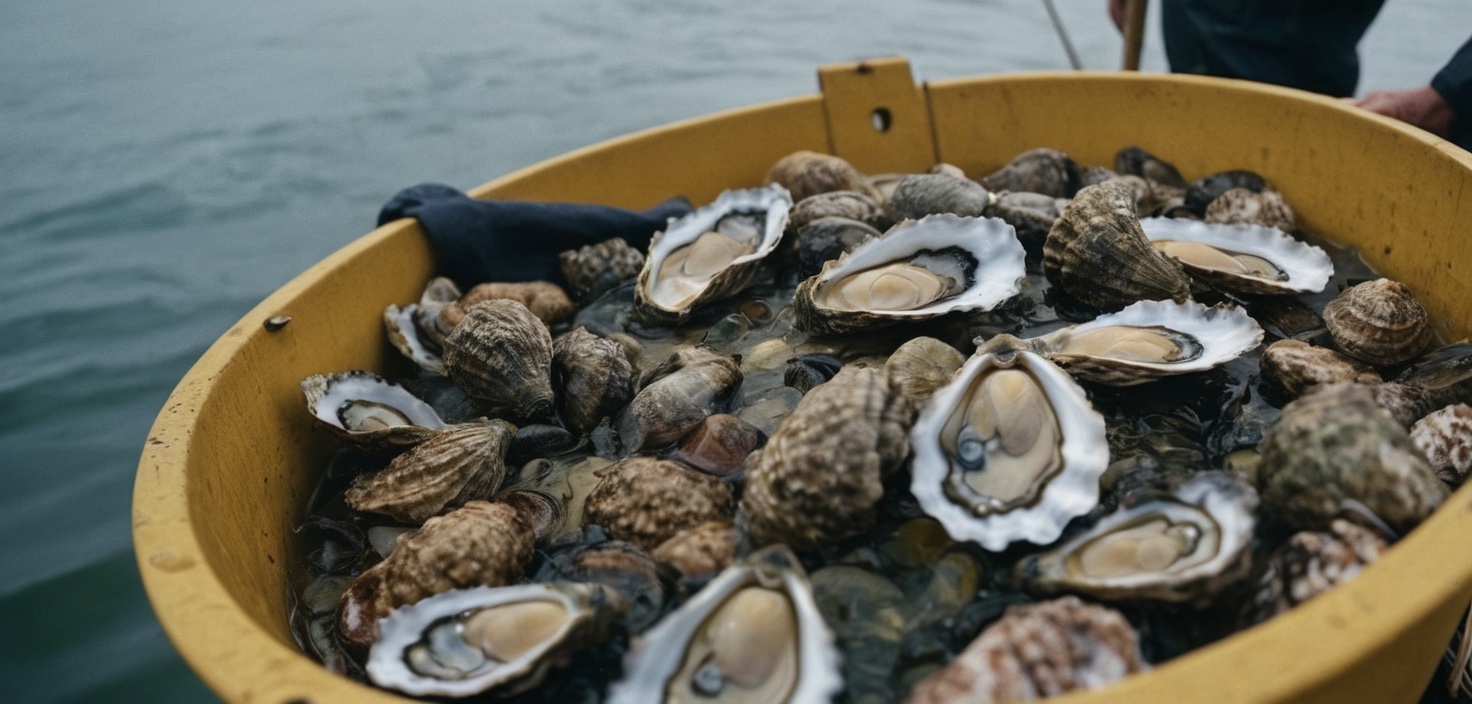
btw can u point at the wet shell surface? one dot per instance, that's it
(368, 411)
(1097, 252)
(595, 269)
(1444, 437)
(752, 634)
(1309, 564)
(1010, 450)
(826, 239)
(922, 365)
(853, 205)
(1296, 366)
(646, 501)
(806, 174)
(1379, 321)
(463, 463)
(1046, 171)
(500, 355)
(919, 269)
(467, 641)
(1249, 259)
(594, 379)
(710, 253)
(701, 551)
(919, 195)
(695, 382)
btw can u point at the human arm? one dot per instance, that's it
(1437, 107)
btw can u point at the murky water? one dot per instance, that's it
(166, 165)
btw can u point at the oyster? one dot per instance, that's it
(369, 411)
(752, 634)
(594, 376)
(595, 269)
(806, 174)
(1297, 366)
(1151, 339)
(1135, 161)
(1031, 214)
(829, 238)
(919, 195)
(500, 355)
(693, 383)
(1046, 171)
(544, 299)
(1097, 252)
(590, 556)
(919, 269)
(720, 445)
(852, 205)
(1241, 206)
(922, 365)
(701, 551)
(1444, 437)
(710, 253)
(463, 463)
(1379, 321)
(646, 501)
(1309, 564)
(417, 330)
(467, 641)
(1249, 259)
(1185, 547)
(1201, 192)
(1009, 450)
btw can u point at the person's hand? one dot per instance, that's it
(1422, 107)
(1116, 13)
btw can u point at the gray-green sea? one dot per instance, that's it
(165, 165)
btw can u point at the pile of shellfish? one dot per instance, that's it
(888, 437)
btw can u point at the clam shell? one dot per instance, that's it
(334, 399)
(463, 463)
(594, 376)
(1135, 161)
(646, 501)
(1097, 252)
(500, 355)
(1379, 321)
(695, 382)
(1301, 267)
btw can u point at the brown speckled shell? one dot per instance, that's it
(1046, 171)
(818, 478)
(693, 383)
(545, 300)
(594, 379)
(1295, 366)
(806, 174)
(1379, 321)
(1098, 253)
(1335, 443)
(1406, 403)
(500, 355)
(1445, 438)
(853, 205)
(1240, 206)
(921, 366)
(1309, 564)
(919, 195)
(1037, 651)
(596, 268)
(463, 463)
(700, 551)
(719, 446)
(480, 543)
(646, 501)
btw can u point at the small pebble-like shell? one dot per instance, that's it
(1445, 438)
(594, 269)
(1379, 321)
(919, 195)
(1098, 253)
(853, 205)
(1309, 564)
(818, 478)
(1037, 651)
(1295, 366)
(921, 366)
(1046, 171)
(544, 299)
(594, 377)
(480, 543)
(1240, 206)
(500, 355)
(646, 501)
(464, 463)
(719, 445)
(700, 551)
(693, 383)
(806, 174)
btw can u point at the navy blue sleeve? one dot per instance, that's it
(490, 240)
(1454, 83)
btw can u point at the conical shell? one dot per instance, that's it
(594, 377)
(1379, 321)
(500, 355)
(1098, 253)
(463, 463)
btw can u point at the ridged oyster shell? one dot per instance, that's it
(710, 253)
(500, 355)
(593, 376)
(919, 269)
(1097, 252)
(1248, 259)
(369, 411)
(646, 500)
(463, 463)
(1379, 321)
(1032, 423)
(752, 634)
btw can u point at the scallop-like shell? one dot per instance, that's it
(500, 355)
(594, 377)
(463, 463)
(695, 382)
(646, 501)
(918, 195)
(1296, 366)
(1379, 321)
(1444, 437)
(1309, 564)
(594, 269)
(1046, 171)
(1009, 450)
(1151, 339)
(710, 253)
(1240, 206)
(821, 473)
(919, 269)
(806, 174)
(1248, 259)
(366, 410)
(922, 365)
(1097, 252)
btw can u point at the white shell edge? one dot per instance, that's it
(323, 401)
(1308, 267)
(1225, 332)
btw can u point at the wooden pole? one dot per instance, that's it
(1134, 32)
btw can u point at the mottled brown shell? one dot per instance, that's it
(1379, 321)
(1336, 444)
(500, 355)
(480, 543)
(818, 478)
(544, 299)
(1046, 171)
(1037, 651)
(1098, 253)
(806, 174)
(1309, 564)
(596, 268)
(693, 383)
(463, 463)
(1240, 206)
(719, 445)
(700, 551)
(1406, 403)
(921, 366)
(1445, 438)
(853, 205)
(919, 195)
(1295, 366)
(646, 501)
(595, 379)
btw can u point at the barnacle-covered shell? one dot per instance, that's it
(544, 299)
(692, 384)
(922, 365)
(500, 355)
(646, 501)
(820, 474)
(1046, 171)
(1444, 437)
(1296, 366)
(1336, 444)
(1151, 339)
(1036, 651)
(467, 641)
(594, 377)
(920, 269)
(480, 543)
(463, 463)
(1241, 206)
(1379, 321)
(853, 205)
(1185, 547)
(752, 634)
(1309, 564)
(369, 411)
(1009, 450)
(829, 238)
(807, 174)
(918, 195)
(700, 551)
(1097, 252)
(594, 269)
(1248, 259)
(710, 253)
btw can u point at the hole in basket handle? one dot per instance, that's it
(882, 119)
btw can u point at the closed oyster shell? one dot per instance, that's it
(1241, 206)
(463, 463)
(1379, 321)
(693, 383)
(418, 330)
(1309, 564)
(1135, 161)
(594, 269)
(701, 551)
(1031, 214)
(1037, 651)
(1296, 366)
(646, 501)
(918, 195)
(1098, 253)
(544, 299)
(500, 355)
(1201, 192)
(1444, 437)
(720, 445)
(818, 478)
(1249, 259)
(368, 411)
(594, 377)
(1046, 171)
(922, 365)
(806, 174)
(853, 205)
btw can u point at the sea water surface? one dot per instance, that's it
(166, 165)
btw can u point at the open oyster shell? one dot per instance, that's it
(710, 253)
(1244, 258)
(752, 634)
(467, 641)
(369, 411)
(1009, 450)
(919, 269)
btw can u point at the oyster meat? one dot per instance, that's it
(369, 411)
(1249, 259)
